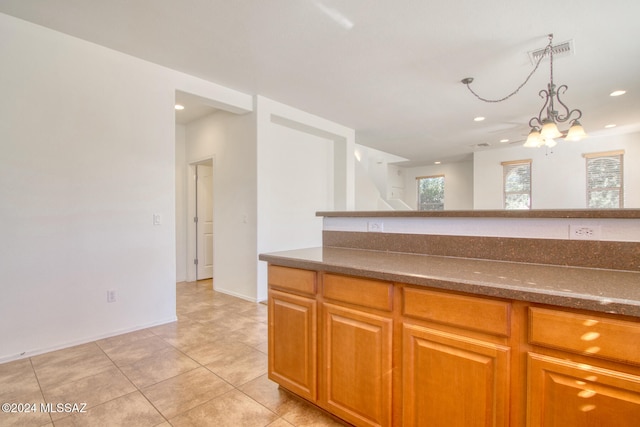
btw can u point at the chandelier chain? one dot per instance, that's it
(548, 48)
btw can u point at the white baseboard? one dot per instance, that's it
(38, 351)
(234, 294)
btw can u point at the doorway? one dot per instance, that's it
(203, 220)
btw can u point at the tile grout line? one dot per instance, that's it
(132, 383)
(35, 374)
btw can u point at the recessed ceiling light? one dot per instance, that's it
(611, 125)
(504, 140)
(179, 107)
(617, 92)
(437, 163)
(478, 119)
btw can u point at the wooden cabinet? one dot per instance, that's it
(357, 365)
(376, 353)
(448, 377)
(293, 331)
(451, 380)
(565, 393)
(357, 331)
(593, 380)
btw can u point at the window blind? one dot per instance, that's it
(516, 176)
(605, 180)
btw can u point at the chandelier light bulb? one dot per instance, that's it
(534, 139)
(576, 132)
(549, 130)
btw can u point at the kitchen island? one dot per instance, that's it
(391, 338)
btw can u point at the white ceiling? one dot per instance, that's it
(390, 69)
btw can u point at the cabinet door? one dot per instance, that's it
(357, 365)
(450, 380)
(568, 394)
(293, 343)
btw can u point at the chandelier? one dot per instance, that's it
(544, 127)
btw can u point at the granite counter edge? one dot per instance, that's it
(523, 293)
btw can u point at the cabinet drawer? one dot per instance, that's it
(292, 279)
(458, 310)
(363, 292)
(585, 334)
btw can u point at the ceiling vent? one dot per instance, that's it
(482, 144)
(559, 50)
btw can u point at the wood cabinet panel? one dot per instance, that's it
(593, 335)
(357, 365)
(450, 380)
(293, 343)
(432, 358)
(564, 393)
(363, 292)
(293, 279)
(484, 315)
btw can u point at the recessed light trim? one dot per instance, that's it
(617, 92)
(478, 119)
(504, 141)
(179, 107)
(610, 125)
(437, 163)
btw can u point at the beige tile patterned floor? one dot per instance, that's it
(207, 369)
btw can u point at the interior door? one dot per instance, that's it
(204, 224)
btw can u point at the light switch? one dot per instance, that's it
(157, 220)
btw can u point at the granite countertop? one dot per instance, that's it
(607, 291)
(493, 213)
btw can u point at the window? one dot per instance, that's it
(430, 193)
(517, 184)
(604, 180)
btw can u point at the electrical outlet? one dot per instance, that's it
(111, 295)
(375, 226)
(584, 232)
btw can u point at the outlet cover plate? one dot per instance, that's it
(584, 232)
(375, 226)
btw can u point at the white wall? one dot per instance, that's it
(230, 140)
(181, 203)
(609, 229)
(265, 196)
(558, 179)
(300, 168)
(368, 196)
(458, 184)
(87, 144)
(305, 164)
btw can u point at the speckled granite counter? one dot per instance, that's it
(608, 291)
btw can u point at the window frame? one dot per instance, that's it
(506, 168)
(418, 179)
(590, 157)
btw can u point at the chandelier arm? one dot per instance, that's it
(535, 123)
(538, 119)
(568, 113)
(467, 81)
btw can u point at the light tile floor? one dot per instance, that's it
(207, 369)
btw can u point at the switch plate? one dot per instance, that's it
(157, 219)
(375, 226)
(111, 295)
(584, 232)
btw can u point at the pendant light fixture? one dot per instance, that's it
(544, 127)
